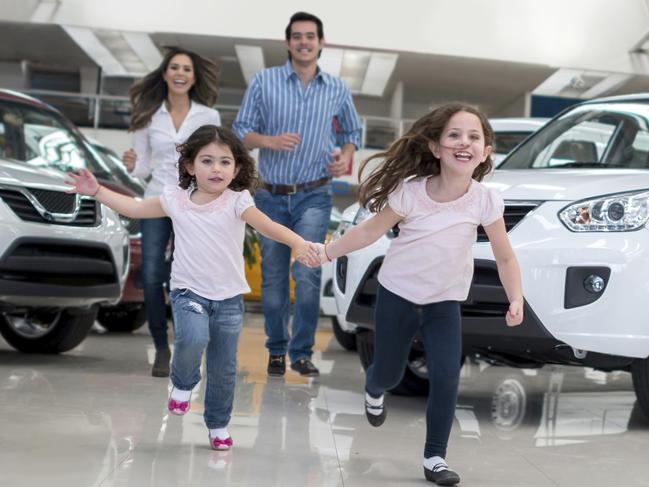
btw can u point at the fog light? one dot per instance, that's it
(594, 284)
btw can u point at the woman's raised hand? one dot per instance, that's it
(83, 183)
(128, 158)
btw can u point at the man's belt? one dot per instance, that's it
(294, 188)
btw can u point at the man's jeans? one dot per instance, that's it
(307, 213)
(155, 272)
(202, 323)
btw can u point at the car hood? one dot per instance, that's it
(18, 174)
(565, 184)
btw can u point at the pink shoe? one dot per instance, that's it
(219, 444)
(177, 407)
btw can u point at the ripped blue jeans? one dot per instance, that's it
(201, 324)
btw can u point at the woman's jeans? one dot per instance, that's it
(201, 324)
(396, 321)
(156, 233)
(307, 213)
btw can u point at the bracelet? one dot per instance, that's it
(326, 254)
(95, 193)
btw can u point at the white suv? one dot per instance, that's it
(576, 209)
(60, 254)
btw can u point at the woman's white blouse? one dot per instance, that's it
(155, 145)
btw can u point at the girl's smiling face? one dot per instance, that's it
(461, 147)
(214, 168)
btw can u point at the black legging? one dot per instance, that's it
(396, 320)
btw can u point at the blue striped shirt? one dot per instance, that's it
(276, 102)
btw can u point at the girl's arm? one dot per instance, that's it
(85, 183)
(508, 270)
(363, 234)
(273, 230)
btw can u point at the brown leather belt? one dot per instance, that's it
(294, 188)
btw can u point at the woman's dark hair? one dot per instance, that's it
(410, 156)
(150, 92)
(246, 178)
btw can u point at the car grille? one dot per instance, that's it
(56, 263)
(53, 202)
(513, 214)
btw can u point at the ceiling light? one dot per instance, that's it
(378, 73)
(92, 46)
(331, 61)
(251, 60)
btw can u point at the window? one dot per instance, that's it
(593, 136)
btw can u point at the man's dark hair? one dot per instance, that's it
(304, 17)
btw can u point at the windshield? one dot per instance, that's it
(603, 135)
(40, 138)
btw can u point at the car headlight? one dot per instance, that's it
(622, 212)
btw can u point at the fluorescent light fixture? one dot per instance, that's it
(607, 85)
(127, 57)
(577, 83)
(354, 68)
(331, 61)
(93, 47)
(45, 11)
(145, 49)
(251, 60)
(378, 73)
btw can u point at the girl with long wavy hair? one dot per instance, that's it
(429, 184)
(168, 105)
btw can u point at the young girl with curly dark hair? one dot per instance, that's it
(209, 209)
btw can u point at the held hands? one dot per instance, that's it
(514, 316)
(284, 142)
(83, 183)
(340, 163)
(307, 254)
(128, 158)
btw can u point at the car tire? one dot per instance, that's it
(345, 339)
(47, 330)
(410, 385)
(123, 318)
(640, 375)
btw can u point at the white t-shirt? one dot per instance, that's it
(155, 145)
(208, 242)
(431, 259)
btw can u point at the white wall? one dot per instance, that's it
(590, 34)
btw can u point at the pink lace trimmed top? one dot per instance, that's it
(208, 242)
(431, 259)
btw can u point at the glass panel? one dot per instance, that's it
(114, 114)
(380, 133)
(80, 110)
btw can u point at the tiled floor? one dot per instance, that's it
(95, 417)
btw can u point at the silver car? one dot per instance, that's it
(60, 254)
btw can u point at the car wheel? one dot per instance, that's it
(123, 318)
(46, 330)
(414, 381)
(345, 339)
(640, 375)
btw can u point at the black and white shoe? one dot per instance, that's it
(441, 475)
(375, 414)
